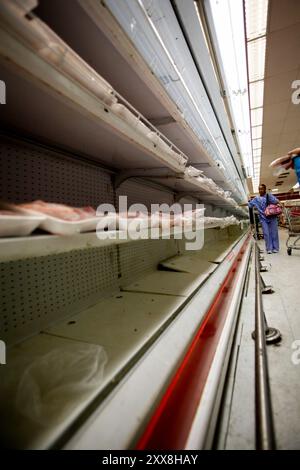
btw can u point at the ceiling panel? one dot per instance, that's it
(278, 88)
(292, 125)
(276, 110)
(282, 48)
(284, 17)
(281, 118)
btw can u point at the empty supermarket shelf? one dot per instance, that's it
(188, 264)
(48, 382)
(117, 325)
(165, 282)
(53, 376)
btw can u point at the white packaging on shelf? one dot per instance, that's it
(222, 222)
(135, 221)
(57, 226)
(208, 182)
(180, 158)
(165, 220)
(232, 201)
(203, 180)
(220, 192)
(61, 227)
(19, 225)
(184, 219)
(195, 213)
(211, 222)
(192, 171)
(134, 225)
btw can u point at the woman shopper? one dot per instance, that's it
(269, 224)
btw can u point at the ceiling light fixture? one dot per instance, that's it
(256, 18)
(256, 116)
(256, 58)
(256, 94)
(256, 13)
(228, 18)
(256, 132)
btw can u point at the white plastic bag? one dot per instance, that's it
(192, 171)
(55, 382)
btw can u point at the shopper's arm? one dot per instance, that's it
(274, 200)
(296, 151)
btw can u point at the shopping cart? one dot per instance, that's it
(292, 217)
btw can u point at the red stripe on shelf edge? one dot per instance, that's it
(171, 422)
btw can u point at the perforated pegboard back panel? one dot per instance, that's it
(210, 235)
(139, 257)
(140, 193)
(29, 172)
(38, 291)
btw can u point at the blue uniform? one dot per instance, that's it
(269, 224)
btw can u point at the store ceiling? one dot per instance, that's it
(281, 118)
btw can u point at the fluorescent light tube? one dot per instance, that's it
(256, 94)
(228, 17)
(256, 59)
(256, 116)
(256, 18)
(256, 144)
(256, 132)
(256, 153)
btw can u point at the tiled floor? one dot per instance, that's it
(283, 312)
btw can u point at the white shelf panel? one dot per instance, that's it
(78, 119)
(96, 127)
(120, 418)
(115, 26)
(166, 282)
(115, 324)
(81, 122)
(189, 263)
(31, 356)
(16, 248)
(199, 190)
(75, 117)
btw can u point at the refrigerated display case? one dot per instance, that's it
(97, 328)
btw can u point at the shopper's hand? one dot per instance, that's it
(296, 151)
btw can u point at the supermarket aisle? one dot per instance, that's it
(284, 275)
(282, 312)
